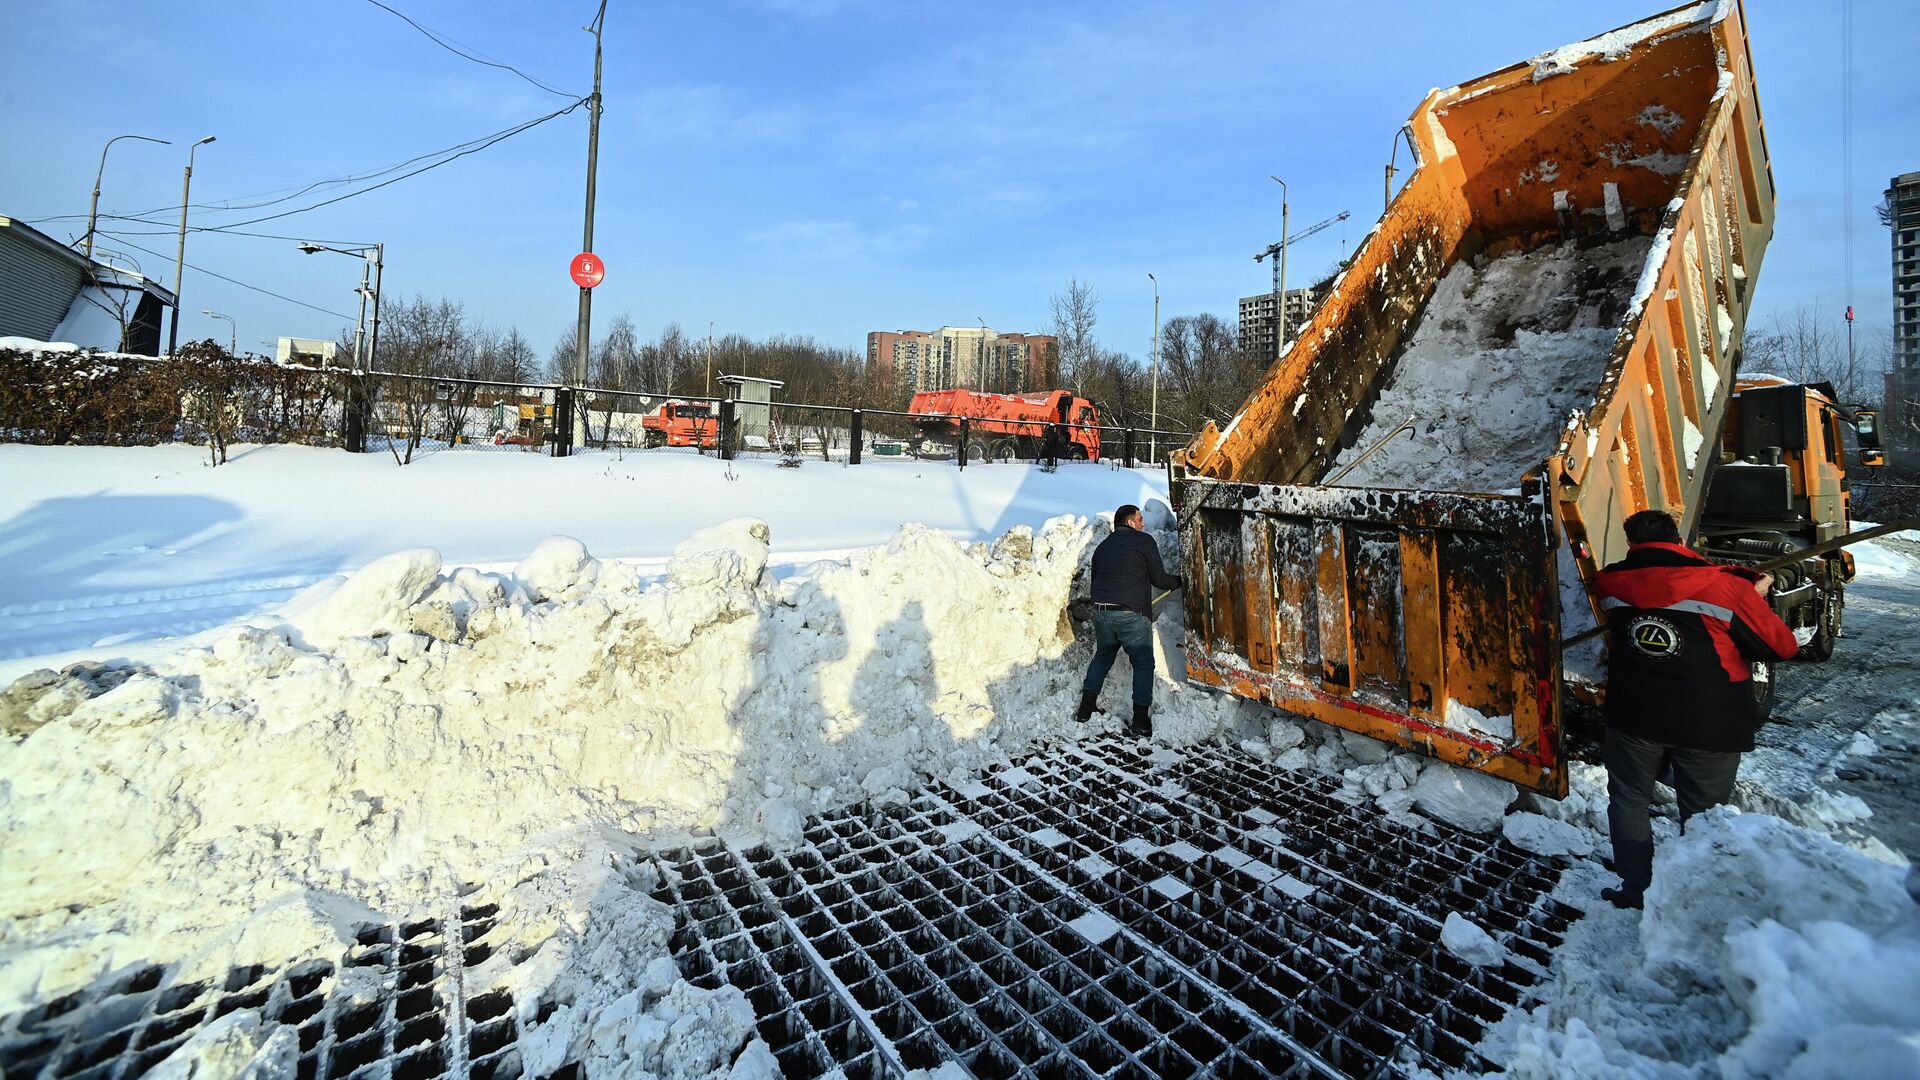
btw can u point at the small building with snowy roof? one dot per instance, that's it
(51, 293)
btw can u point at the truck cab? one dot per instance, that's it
(1779, 483)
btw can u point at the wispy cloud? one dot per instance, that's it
(839, 240)
(707, 112)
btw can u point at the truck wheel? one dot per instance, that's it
(1003, 451)
(1826, 632)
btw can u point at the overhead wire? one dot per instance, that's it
(452, 153)
(443, 43)
(232, 281)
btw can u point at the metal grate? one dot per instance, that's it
(1095, 911)
(1104, 911)
(421, 1024)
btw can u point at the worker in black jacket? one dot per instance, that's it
(1126, 570)
(1683, 634)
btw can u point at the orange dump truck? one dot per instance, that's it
(1006, 427)
(681, 423)
(1539, 338)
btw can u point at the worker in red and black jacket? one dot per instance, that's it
(1683, 635)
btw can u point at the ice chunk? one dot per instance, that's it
(1545, 836)
(1467, 941)
(1462, 797)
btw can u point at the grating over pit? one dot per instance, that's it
(1094, 911)
(1106, 911)
(421, 1024)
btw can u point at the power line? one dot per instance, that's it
(231, 281)
(437, 40)
(507, 134)
(458, 150)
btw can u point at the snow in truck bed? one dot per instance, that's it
(1503, 352)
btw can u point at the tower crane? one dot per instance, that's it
(1277, 253)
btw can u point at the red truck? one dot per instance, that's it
(681, 423)
(1006, 427)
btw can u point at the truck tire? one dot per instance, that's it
(1826, 629)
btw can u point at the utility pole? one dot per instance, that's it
(709, 357)
(593, 165)
(180, 255)
(1153, 438)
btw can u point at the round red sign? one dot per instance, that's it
(587, 269)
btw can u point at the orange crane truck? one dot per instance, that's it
(1541, 337)
(1006, 427)
(681, 423)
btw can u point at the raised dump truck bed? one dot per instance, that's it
(1558, 291)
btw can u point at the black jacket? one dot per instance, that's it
(1683, 633)
(1126, 570)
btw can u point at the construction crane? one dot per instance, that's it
(1275, 251)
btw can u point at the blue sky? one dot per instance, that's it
(828, 167)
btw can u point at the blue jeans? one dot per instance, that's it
(1116, 630)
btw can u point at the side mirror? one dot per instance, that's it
(1866, 426)
(1872, 459)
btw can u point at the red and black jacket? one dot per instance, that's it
(1683, 633)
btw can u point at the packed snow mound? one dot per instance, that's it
(411, 730)
(1764, 950)
(1504, 351)
(376, 599)
(558, 569)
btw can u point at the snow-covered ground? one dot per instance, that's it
(378, 742)
(108, 546)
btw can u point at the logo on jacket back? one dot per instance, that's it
(1654, 637)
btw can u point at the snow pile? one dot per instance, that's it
(1522, 340)
(408, 730)
(1764, 950)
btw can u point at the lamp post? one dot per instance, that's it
(374, 258)
(1153, 438)
(1280, 299)
(180, 254)
(233, 330)
(93, 208)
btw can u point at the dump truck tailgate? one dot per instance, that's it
(1422, 618)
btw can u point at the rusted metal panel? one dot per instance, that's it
(1409, 616)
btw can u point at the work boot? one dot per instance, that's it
(1142, 726)
(1624, 898)
(1085, 712)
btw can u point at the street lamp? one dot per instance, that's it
(1280, 299)
(93, 208)
(233, 330)
(180, 256)
(1153, 438)
(375, 258)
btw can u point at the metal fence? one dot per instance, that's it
(128, 399)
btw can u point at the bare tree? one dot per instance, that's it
(1074, 316)
(1805, 346)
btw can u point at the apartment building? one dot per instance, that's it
(973, 357)
(1257, 323)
